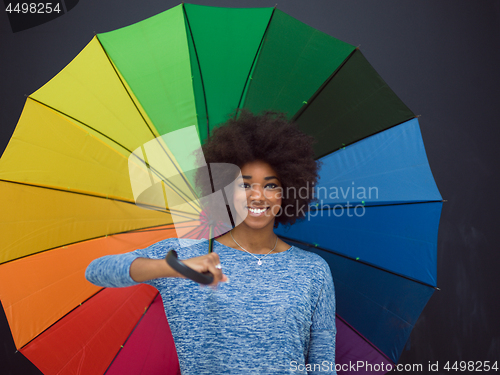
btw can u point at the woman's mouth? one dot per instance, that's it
(257, 211)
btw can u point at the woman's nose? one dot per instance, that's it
(256, 191)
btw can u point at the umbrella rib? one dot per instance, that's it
(363, 337)
(109, 318)
(377, 205)
(247, 81)
(199, 68)
(195, 231)
(366, 136)
(175, 188)
(149, 128)
(153, 229)
(80, 122)
(368, 298)
(151, 207)
(157, 228)
(58, 320)
(125, 88)
(137, 230)
(301, 111)
(131, 332)
(131, 231)
(321, 88)
(359, 261)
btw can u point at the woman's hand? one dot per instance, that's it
(207, 263)
(143, 269)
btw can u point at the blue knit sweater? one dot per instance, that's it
(276, 318)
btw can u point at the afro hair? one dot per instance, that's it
(271, 138)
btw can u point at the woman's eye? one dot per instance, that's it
(246, 185)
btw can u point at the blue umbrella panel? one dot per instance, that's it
(375, 222)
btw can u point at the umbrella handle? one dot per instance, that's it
(204, 278)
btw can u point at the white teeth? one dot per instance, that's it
(257, 210)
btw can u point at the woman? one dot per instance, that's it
(271, 308)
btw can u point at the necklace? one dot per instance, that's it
(259, 259)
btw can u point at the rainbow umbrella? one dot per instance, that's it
(66, 196)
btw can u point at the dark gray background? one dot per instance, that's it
(442, 57)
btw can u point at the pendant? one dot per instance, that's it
(259, 262)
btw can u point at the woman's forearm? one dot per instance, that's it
(131, 268)
(111, 270)
(143, 269)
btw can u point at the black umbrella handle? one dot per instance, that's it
(204, 278)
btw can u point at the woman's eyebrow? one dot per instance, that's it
(265, 178)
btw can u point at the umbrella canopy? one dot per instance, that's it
(66, 196)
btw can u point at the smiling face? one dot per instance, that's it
(258, 195)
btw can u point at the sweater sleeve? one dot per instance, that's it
(113, 271)
(321, 354)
